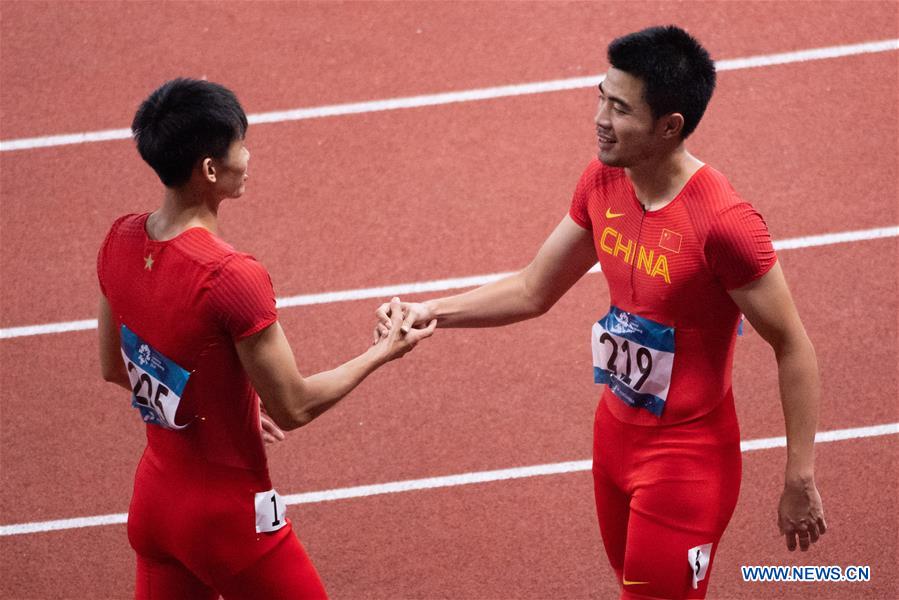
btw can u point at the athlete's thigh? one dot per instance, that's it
(677, 521)
(168, 580)
(612, 502)
(612, 512)
(284, 573)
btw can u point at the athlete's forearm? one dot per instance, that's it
(800, 391)
(498, 303)
(322, 391)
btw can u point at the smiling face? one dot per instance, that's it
(626, 131)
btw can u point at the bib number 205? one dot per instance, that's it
(157, 382)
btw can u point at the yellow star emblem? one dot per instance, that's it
(148, 262)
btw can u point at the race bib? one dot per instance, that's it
(699, 558)
(634, 357)
(270, 511)
(157, 382)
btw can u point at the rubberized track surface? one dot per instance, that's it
(432, 193)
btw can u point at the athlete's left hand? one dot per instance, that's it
(800, 515)
(271, 433)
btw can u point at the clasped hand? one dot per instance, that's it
(401, 325)
(413, 320)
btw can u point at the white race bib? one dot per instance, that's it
(699, 558)
(634, 356)
(270, 511)
(157, 382)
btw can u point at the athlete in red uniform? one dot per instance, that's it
(683, 256)
(189, 326)
(665, 352)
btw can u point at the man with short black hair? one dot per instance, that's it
(683, 256)
(188, 325)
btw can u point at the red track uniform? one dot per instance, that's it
(204, 518)
(667, 458)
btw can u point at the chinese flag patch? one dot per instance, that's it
(670, 240)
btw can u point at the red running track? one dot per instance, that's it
(430, 193)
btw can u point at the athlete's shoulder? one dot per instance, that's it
(121, 241)
(716, 191)
(241, 295)
(708, 195)
(205, 246)
(241, 262)
(123, 231)
(236, 269)
(129, 225)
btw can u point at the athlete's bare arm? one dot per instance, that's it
(111, 364)
(769, 307)
(566, 255)
(293, 400)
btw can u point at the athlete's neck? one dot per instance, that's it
(658, 182)
(182, 210)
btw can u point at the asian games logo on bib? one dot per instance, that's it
(143, 354)
(623, 324)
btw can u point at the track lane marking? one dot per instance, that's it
(441, 285)
(504, 91)
(430, 483)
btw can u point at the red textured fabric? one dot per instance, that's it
(661, 494)
(191, 298)
(241, 295)
(201, 517)
(738, 247)
(196, 297)
(674, 266)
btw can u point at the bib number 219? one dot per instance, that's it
(634, 356)
(643, 358)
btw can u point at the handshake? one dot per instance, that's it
(401, 325)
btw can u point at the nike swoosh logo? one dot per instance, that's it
(624, 581)
(611, 215)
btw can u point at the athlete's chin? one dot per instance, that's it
(608, 159)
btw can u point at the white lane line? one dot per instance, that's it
(430, 483)
(807, 55)
(504, 91)
(440, 285)
(27, 330)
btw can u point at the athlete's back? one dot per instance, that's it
(189, 299)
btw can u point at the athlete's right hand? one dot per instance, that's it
(414, 316)
(800, 515)
(392, 337)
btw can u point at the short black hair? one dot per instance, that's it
(183, 121)
(677, 72)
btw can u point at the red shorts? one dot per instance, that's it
(664, 496)
(194, 530)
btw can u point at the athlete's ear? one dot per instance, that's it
(207, 168)
(672, 125)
